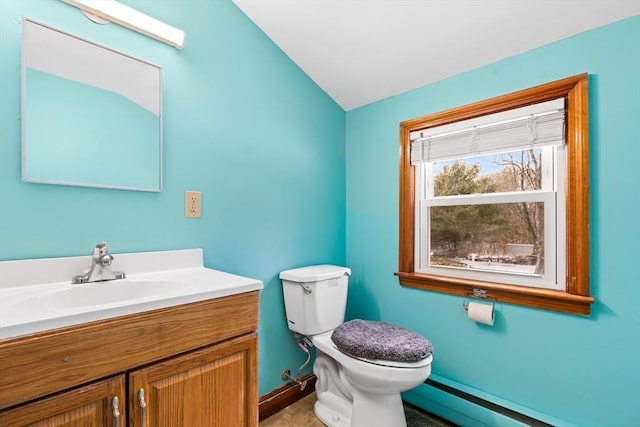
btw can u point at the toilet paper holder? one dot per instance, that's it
(478, 294)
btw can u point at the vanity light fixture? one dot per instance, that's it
(114, 11)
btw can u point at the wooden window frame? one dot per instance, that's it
(576, 298)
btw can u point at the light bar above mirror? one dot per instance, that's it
(114, 11)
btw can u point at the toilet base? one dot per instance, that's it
(330, 417)
(376, 410)
(381, 411)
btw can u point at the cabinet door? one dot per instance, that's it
(215, 386)
(85, 406)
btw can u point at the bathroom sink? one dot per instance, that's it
(38, 295)
(114, 291)
(96, 295)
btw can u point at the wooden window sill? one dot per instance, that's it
(532, 297)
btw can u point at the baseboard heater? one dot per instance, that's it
(525, 419)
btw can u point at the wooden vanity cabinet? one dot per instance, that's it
(92, 405)
(205, 388)
(196, 365)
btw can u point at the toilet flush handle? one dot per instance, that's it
(307, 289)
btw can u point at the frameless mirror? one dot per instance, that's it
(91, 116)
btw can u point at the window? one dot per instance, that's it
(489, 195)
(494, 197)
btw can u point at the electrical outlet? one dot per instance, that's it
(192, 204)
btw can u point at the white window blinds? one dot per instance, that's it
(534, 125)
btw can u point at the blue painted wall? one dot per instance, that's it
(579, 369)
(242, 124)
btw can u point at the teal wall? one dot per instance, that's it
(579, 369)
(242, 124)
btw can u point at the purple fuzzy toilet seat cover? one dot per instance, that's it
(373, 340)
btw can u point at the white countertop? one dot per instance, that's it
(30, 289)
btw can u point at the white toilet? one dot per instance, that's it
(351, 392)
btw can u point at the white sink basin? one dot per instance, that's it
(113, 291)
(37, 295)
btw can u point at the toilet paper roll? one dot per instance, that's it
(481, 313)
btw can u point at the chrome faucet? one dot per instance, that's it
(100, 269)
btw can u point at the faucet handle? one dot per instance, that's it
(100, 250)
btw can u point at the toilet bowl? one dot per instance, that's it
(369, 391)
(351, 391)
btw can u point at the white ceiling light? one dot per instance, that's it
(128, 17)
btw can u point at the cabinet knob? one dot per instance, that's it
(116, 412)
(143, 408)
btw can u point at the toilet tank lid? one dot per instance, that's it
(315, 273)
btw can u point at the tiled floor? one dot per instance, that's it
(300, 414)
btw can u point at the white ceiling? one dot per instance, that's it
(361, 51)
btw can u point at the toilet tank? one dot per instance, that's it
(315, 297)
